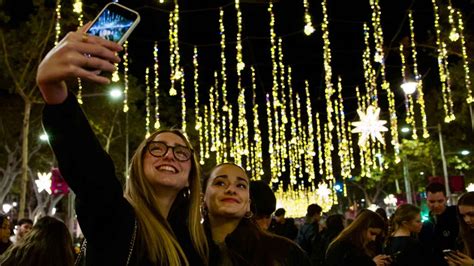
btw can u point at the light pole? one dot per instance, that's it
(445, 166)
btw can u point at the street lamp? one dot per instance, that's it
(409, 87)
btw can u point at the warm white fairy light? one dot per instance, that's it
(240, 61)
(343, 151)
(226, 114)
(58, 22)
(467, 79)
(409, 102)
(257, 155)
(309, 149)
(308, 27)
(125, 77)
(183, 105)
(176, 73)
(453, 34)
(156, 86)
(421, 96)
(147, 103)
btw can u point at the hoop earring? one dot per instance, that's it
(186, 192)
(248, 215)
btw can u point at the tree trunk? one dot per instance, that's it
(24, 157)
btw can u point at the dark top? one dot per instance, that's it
(4, 246)
(405, 251)
(107, 219)
(346, 254)
(287, 229)
(438, 233)
(306, 236)
(247, 245)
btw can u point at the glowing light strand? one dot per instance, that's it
(467, 80)
(156, 86)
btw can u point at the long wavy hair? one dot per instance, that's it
(154, 232)
(466, 233)
(404, 213)
(355, 233)
(49, 243)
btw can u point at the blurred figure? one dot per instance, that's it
(466, 225)
(404, 249)
(48, 244)
(4, 233)
(351, 246)
(263, 203)
(309, 232)
(442, 228)
(234, 239)
(24, 227)
(334, 226)
(283, 226)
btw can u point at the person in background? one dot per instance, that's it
(464, 256)
(234, 239)
(351, 246)
(156, 219)
(48, 244)
(334, 226)
(405, 249)
(283, 226)
(263, 203)
(309, 231)
(24, 227)
(5, 232)
(441, 229)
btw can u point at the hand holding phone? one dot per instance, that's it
(114, 23)
(448, 252)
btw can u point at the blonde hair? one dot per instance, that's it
(404, 213)
(154, 232)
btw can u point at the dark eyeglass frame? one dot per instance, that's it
(173, 148)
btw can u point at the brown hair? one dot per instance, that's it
(404, 213)
(355, 232)
(155, 233)
(48, 244)
(466, 233)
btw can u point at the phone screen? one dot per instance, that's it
(113, 23)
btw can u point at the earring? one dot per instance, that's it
(204, 212)
(186, 192)
(248, 215)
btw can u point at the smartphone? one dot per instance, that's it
(448, 252)
(114, 23)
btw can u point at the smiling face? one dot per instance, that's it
(227, 192)
(166, 171)
(467, 214)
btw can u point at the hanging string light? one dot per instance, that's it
(147, 102)
(453, 34)
(320, 148)
(257, 155)
(292, 145)
(197, 117)
(155, 86)
(205, 132)
(421, 96)
(226, 117)
(467, 80)
(183, 105)
(284, 118)
(369, 72)
(125, 77)
(443, 68)
(308, 27)
(58, 22)
(344, 151)
(309, 147)
(240, 61)
(409, 103)
(77, 8)
(213, 123)
(176, 73)
(275, 155)
(378, 33)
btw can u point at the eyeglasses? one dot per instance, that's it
(159, 149)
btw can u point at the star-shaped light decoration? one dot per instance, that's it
(44, 182)
(324, 197)
(369, 125)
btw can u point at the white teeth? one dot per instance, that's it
(167, 168)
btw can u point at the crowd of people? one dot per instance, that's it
(168, 215)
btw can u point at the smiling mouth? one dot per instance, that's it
(230, 200)
(167, 168)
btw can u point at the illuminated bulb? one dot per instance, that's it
(173, 92)
(177, 76)
(308, 29)
(240, 66)
(378, 57)
(454, 35)
(115, 77)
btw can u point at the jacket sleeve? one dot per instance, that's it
(106, 218)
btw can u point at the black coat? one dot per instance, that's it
(106, 218)
(346, 254)
(438, 233)
(247, 245)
